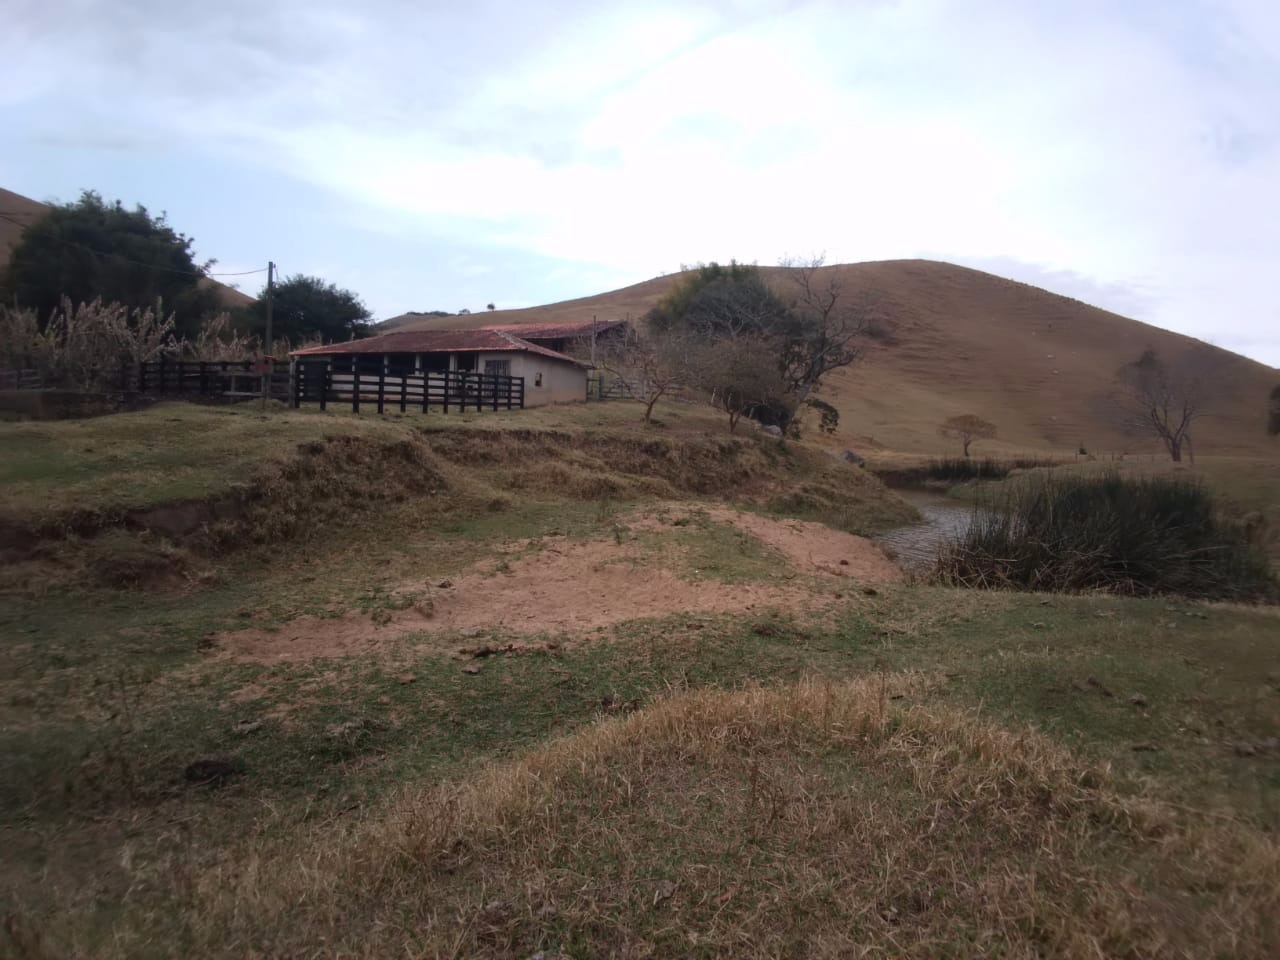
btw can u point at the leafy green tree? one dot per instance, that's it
(305, 307)
(818, 330)
(93, 250)
(715, 300)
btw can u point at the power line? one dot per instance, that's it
(139, 263)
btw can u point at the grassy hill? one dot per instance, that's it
(26, 211)
(1039, 365)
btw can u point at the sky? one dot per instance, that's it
(447, 155)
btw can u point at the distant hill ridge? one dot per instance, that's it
(1039, 365)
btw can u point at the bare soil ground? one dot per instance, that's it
(815, 547)
(570, 588)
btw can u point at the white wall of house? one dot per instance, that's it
(546, 380)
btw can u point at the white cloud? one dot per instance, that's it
(1133, 148)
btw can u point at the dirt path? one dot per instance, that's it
(573, 588)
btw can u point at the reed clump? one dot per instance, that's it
(1138, 536)
(947, 471)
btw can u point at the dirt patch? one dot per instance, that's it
(573, 588)
(810, 546)
(815, 547)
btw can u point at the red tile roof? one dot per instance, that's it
(435, 341)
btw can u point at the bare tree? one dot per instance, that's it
(967, 428)
(649, 366)
(1160, 401)
(825, 325)
(739, 374)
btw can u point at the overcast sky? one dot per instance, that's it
(445, 155)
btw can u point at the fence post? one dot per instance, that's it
(448, 382)
(426, 389)
(355, 388)
(161, 388)
(295, 381)
(522, 393)
(324, 387)
(404, 389)
(382, 385)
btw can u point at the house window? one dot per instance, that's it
(537, 379)
(501, 368)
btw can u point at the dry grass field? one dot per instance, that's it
(560, 683)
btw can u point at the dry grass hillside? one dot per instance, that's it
(1039, 365)
(26, 211)
(16, 213)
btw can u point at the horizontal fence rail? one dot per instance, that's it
(446, 389)
(21, 380)
(319, 383)
(600, 388)
(209, 378)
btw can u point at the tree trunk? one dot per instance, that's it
(1175, 450)
(648, 410)
(966, 441)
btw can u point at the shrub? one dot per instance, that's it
(1138, 536)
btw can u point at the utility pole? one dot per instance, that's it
(268, 363)
(271, 284)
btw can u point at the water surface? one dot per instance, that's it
(915, 546)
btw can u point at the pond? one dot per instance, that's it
(915, 546)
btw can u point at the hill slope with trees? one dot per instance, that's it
(1042, 367)
(19, 213)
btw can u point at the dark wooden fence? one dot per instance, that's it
(20, 380)
(457, 390)
(208, 378)
(600, 387)
(319, 383)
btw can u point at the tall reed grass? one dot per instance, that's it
(1130, 535)
(949, 470)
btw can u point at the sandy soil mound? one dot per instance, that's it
(571, 588)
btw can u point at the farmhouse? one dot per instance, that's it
(535, 355)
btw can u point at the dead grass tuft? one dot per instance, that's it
(815, 819)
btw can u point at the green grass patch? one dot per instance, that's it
(168, 453)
